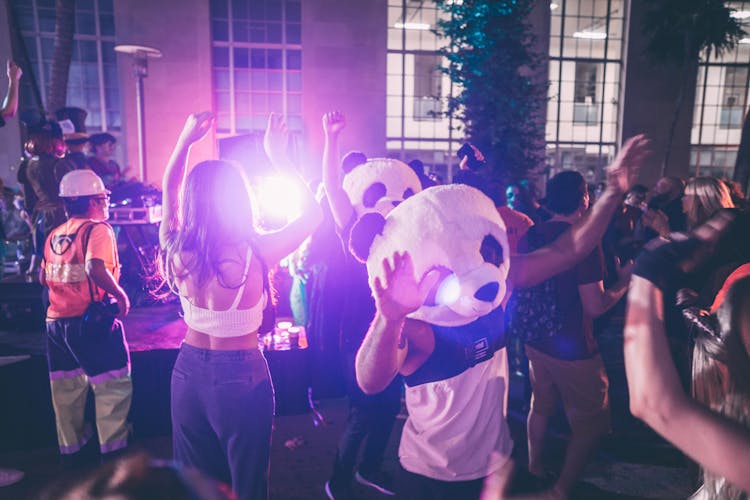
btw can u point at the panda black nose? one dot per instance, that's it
(488, 292)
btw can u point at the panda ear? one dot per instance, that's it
(363, 234)
(352, 160)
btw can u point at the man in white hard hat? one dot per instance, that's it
(80, 267)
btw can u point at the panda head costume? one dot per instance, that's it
(377, 184)
(454, 229)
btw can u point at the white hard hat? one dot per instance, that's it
(81, 183)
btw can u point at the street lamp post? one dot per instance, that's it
(140, 55)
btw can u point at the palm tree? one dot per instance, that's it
(678, 32)
(62, 54)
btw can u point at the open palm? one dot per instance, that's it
(401, 294)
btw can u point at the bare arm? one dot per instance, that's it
(10, 104)
(657, 397)
(573, 245)
(385, 348)
(196, 127)
(596, 300)
(341, 208)
(276, 245)
(103, 278)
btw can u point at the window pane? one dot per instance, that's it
(273, 32)
(259, 80)
(219, 8)
(221, 57)
(241, 58)
(294, 81)
(294, 59)
(85, 23)
(257, 58)
(107, 24)
(274, 59)
(293, 11)
(241, 80)
(221, 78)
(293, 34)
(220, 30)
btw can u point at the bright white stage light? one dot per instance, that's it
(278, 198)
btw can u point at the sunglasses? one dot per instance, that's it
(102, 198)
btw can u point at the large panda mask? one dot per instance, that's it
(454, 229)
(379, 184)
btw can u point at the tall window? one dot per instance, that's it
(721, 105)
(417, 91)
(584, 70)
(257, 63)
(92, 81)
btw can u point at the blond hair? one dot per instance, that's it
(709, 196)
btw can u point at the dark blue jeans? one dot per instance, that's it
(222, 413)
(371, 420)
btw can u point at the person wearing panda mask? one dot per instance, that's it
(367, 186)
(455, 438)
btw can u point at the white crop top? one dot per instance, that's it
(232, 322)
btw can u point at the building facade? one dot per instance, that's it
(377, 61)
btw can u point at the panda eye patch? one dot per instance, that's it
(408, 193)
(491, 250)
(373, 193)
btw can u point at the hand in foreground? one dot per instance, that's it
(276, 139)
(623, 172)
(196, 127)
(333, 123)
(401, 294)
(13, 70)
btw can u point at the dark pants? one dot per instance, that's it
(78, 359)
(222, 413)
(410, 486)
(371, 418)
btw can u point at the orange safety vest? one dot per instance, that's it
(70, 289)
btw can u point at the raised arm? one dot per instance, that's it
(573, 245)
(196, 127)
(656, 394)
(276, 245)
(341, 208)
(385, 347)
(10, 104)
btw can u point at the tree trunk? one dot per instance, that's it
(742, 165)
(62, 54)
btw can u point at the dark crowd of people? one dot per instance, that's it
(678, 253)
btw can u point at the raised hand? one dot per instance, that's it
(333, 123)
(276, 139)
(622, 174)
(196, 127)
(13, 70)
(401, 294)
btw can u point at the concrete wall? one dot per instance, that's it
(344, 68)
(177, 84)
(649, 103)
(10, 143)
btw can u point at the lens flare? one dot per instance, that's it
(278, 198)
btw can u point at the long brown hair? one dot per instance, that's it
(215, 211)
(721, 372)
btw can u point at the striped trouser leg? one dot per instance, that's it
(113, 399)
(69, 402)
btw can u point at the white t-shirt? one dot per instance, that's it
(457, 428)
